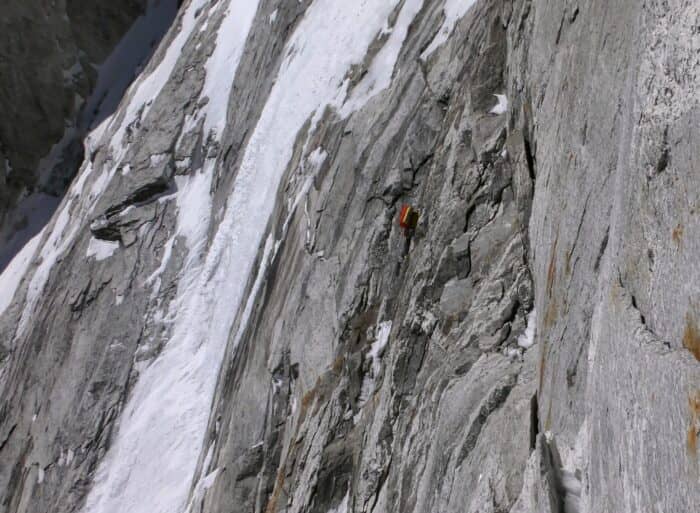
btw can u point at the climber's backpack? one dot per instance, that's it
(408, 219)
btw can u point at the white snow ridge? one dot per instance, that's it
(527, 339)
(502, 106)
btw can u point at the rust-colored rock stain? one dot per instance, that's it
(691, 336)
(694, 405)
(552, 270)
(677, 234)
(277, 491)
(550, 314)
(543, 362)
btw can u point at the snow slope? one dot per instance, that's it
(33, 213)
(15, 271)
(453, 10)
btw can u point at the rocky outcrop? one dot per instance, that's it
(224, 314)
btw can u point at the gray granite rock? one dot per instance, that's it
(368, 372)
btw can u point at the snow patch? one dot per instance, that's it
(40, 476)
(273, 17)
(206, 482)
(454, 10)
(374, 355)
(101, 249)
(65, 458)
(512, 353)
(502, 106)
(165, 259)
(153, 161)
(76, 189)
(380, 72)
(194, 205)
(209, 479)
(317, 158)
(101, 183)
(527, 339)
(12, 276)
(221, 66)
(377, 349)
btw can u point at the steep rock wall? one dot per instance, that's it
(612, 89)
(224, 315)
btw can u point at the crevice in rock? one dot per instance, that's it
(634, 305)
(495, 400)
(601, 251)
(559, 31)
(102, 229)
(111, 227)
(419, 166)
(7, 438)
(144, 195)
(644, 332)
(572, 369)
(534, 422)
(561, 486)
(529, 157)
(577, 236)
(574, 15)
(665, 156)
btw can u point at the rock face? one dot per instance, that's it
(51, 57)
(224, 314)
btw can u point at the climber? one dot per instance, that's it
(408, 220)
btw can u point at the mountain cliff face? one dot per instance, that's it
(224, 315)
(63, 67)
